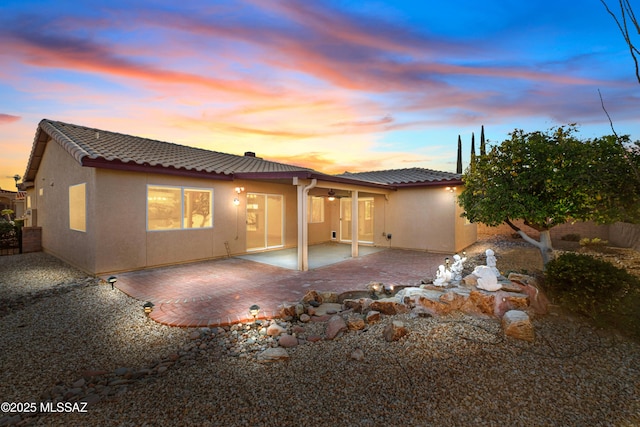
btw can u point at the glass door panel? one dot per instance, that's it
(274, 220)
(256, 211)
(345, 219)
(265, 214)
(365, 220)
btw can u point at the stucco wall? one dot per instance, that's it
(128, 245)
(423, 219)
(50, 196)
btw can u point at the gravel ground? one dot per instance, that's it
(452, 370)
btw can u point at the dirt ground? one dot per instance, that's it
(516, 255)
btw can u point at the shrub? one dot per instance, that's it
(596, 289)
(571, 237)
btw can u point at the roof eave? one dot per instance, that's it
(439, 183)
(165, 170)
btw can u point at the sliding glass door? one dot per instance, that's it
(365, 219)
(265, 219)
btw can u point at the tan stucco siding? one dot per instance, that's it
(122, 214)
(50, 196)
(422, 218)
(466, 233)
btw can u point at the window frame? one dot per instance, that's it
(78, 213)
(182, 226)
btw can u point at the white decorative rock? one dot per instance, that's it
(273, 354)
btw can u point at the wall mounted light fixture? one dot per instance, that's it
(331, 195)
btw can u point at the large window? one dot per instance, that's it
(315, 209)
(78, 207)
(175, 208)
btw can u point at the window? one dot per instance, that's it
(315, 211)
(176, 208)
(78, 207)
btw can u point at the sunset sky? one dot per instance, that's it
(332, 85)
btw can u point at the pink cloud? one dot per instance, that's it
(8, 118)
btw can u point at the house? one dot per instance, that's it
(108, 202)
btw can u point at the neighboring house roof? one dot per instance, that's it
(96, 147)
(407, 177)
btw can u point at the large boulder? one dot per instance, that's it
(538, 302)
(485, 301)
(517, 324)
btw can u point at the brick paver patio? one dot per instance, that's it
(219, 292)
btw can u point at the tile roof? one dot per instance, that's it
(409, 176)
(96, 144)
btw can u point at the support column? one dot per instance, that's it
(303, 226)
(354, 224)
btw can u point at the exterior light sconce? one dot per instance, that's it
(331, 195)
(147, 307)
(112, 281)
(238, 190)
(451, 189)
(254, 310)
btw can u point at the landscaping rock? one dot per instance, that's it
(330, 297)
(287, 309)
(304, 318)
(373, 316)
(394, 331)
(357, 354)
(273, 354)
(360, 305)
(484, 300)
(287, 341)
(274, 330)
(389, 306)
(355, 323)
(516, 324)
(335, 327)
(312, 296)
(326, 308)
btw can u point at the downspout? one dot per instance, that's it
(303, 227)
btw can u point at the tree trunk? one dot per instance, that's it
(544, 245)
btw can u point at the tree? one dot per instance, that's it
(549, 178)
(627, 19)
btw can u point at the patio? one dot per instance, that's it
(219, 292)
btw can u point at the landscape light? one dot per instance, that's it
(148, 307)
(112, 280)
(254, 310)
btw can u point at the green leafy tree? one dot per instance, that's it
(549, 178)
